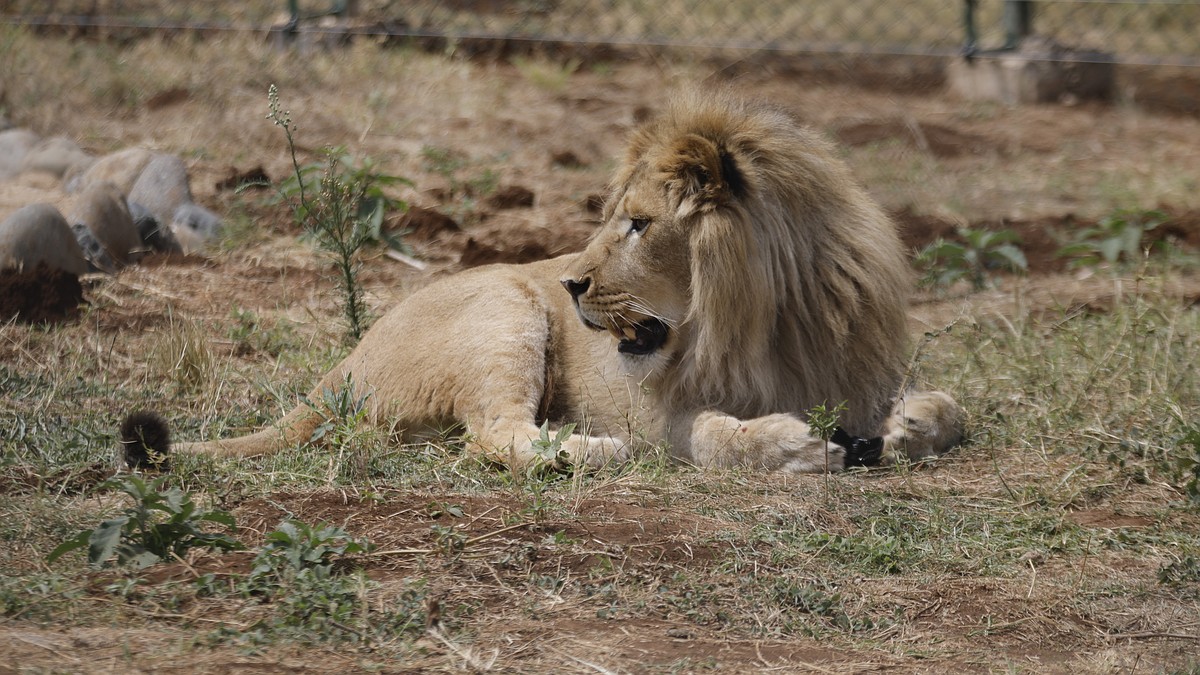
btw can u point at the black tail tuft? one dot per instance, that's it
(145, 441)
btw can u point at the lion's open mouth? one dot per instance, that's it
(644, 337)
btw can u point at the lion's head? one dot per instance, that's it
(737, 244)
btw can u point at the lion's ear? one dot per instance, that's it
(703, 175)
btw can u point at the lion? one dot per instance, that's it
(739, 278)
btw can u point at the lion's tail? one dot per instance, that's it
(138, 428)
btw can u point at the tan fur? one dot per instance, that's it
(783, 286)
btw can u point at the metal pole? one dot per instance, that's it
(971, 46)
(1018, 22)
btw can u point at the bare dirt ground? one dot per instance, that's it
(470, 132)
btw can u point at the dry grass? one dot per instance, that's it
(1058, 539)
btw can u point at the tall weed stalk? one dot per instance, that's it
(333, 218)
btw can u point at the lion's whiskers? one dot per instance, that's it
(641, 306)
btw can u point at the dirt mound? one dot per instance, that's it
(423, 224)
(40, 295)
(511, 197)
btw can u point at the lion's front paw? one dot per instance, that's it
(798, 450)
(922, 425)
(807, 461)
(597, 451)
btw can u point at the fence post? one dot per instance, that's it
(1018, 22)
(972, 44)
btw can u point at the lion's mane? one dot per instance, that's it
(798, 282)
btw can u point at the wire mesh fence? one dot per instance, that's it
(1125, 31)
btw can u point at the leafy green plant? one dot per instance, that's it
(298, 571)
(342, 210)
(1118, 237)
(296, 548)
(823, 421)
(252, 333)
(373, 202)
(1179, 572)
(549, 465)
(1187, 465)
(448, 540)
(817, 601)
(464, 192)
(980, 251)
(344, 412)
(549, 450)
(160, 524)
(551, 76)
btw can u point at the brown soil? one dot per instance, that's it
(938, 140)
(41, 295)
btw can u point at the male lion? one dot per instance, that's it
(740, 278)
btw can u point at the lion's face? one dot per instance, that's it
(633, 279)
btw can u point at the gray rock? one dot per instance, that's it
(155, 236)
(194, 226)
(54, 156)
(162, 187)
(38, 233)
(102, 208)
(97, 258)
(15, 144)
(197, 219)
(120, 168)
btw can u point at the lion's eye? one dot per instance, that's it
(638, 225)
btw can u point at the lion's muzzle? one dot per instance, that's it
(633, 337)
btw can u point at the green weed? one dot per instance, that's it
(1180, 572)
(344, 411)
(550, 76)
(299, 572)
(161, 524)
(1118, 237)
(823, 421)
(373, 202)
(1187, 465)
(251, 333)
(974, 258)
(343, 211)
(296, 548)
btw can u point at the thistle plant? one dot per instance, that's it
(333, 218)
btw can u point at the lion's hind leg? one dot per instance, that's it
(922, 424)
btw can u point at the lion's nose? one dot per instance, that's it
(577, 287)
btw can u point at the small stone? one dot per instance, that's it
(120, 168)
(102, 208)
(155, 236)
(15, 144)
(197, 219)
(162, 187)
(98, 258)
(37, 234)
(54, 156)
